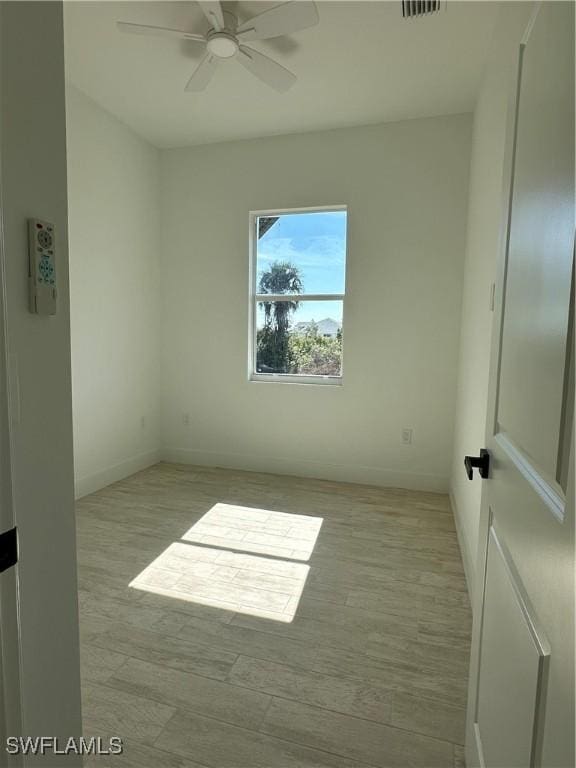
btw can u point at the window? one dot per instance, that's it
(298, 265)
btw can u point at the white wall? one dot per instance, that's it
(406, 186)
(485, 211)
(33, 182)
(113, 179)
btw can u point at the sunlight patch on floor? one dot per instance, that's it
(217, 575)
(257, 530)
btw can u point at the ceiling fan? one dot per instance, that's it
(225, 40)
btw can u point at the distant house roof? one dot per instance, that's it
(326, 327)
(264, 224)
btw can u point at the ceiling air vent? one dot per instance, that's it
(412, 8)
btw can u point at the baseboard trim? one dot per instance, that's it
(467, 558)
(92, 483)
(300, 468)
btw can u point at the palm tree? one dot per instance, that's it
(281, 278)
(273, 351)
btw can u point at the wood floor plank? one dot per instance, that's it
(152, 646)
(221, 745)
(179, 611)
(138, 755)
(177, 689)
(359, 698)
(98, 609)
(98, 664)
(428, 716)
(407, 675)
(358, 739)
(109, 712)
(360, 619)
(242, 640)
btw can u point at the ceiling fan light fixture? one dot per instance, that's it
(222, 45)
(226, 40)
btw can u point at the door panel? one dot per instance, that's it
(513, 664)
(540, 548)
(539, 263)
(521, 704)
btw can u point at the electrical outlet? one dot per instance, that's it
(186, 419)
(143, 422)
(407, 436)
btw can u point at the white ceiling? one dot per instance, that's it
(362, 64)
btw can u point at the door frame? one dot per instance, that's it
(41, 633)
(10, 691)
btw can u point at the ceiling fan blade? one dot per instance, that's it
(281, 20)
(268, 70)
(148, 29)
(202, 74)
(213, 12)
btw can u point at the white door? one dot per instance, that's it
(521, 698)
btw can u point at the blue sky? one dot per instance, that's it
(316, 244)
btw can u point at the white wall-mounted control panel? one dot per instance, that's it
(42, 267)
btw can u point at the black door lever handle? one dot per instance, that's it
(8, 549)
(482, 464)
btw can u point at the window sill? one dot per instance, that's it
(286, 378)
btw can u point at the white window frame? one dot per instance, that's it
(255, 298)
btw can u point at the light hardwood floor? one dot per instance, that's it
(371, 670)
